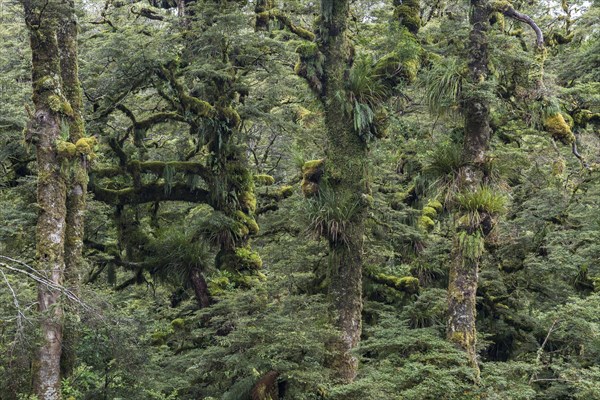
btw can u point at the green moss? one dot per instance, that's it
(199, 107)
(380, 124)
(410, 69)
(217, 286)
(247, 201)
(65, 149)
(45, 83)
(307, 50)
(558, 167)
(408, 15)
(312, 168)
(264, 179)
(178, 323)
(393, 66)
(248, 259)
(501, 5)
(250, 226)
(311, 175)
(425, 223)
(262, 19)
(406, 284)
(429, 211)
(286, 191)
(556, 125)
(497, 18)
(435, 204)
(55, 103)
(59, 104)
(86, 145)
(230, 115)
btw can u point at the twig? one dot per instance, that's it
(541, 350)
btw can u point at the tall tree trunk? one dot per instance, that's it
(44, 131)
(345, 177)
(464, 267)
(76, 192)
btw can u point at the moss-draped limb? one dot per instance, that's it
(407, 284)
(155, 167)
(264, 14)
(148, 193)
(200, 108)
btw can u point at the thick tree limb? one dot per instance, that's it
(155, 167)
(150, 193)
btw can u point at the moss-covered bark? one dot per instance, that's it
(464, 266)
(44, 132)
(345, 175)
(78, 179)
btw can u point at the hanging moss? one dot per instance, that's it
(556, 125)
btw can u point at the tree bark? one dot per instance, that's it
(200, 288)
(44, 130)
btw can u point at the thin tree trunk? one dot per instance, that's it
(76, 193)
(464, 268)
(44, 131)
(200, 288)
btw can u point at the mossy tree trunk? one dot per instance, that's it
(44, 131)
(77, 188)
(345, 176)
(464, 267)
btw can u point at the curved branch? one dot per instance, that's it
(509, 11)
(579, 156)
